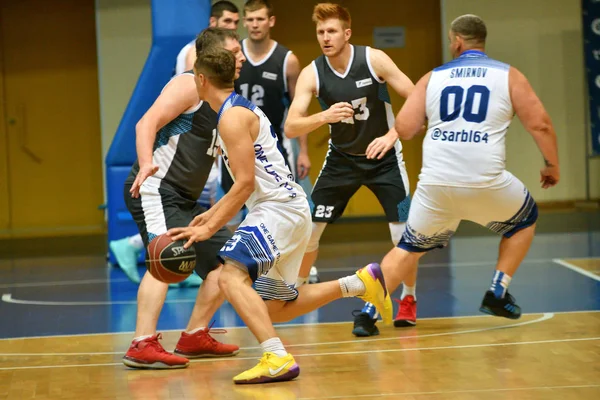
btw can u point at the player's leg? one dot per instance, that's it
(511, 212)
(430, 225)
(127, 251)
(336, 184)
(252, 251)
(162, 210)
(368, 284)
(287, 302)
(150, 212)
(196, 341)
(388, 180)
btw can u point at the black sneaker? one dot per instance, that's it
(364, 325)
(504, 307)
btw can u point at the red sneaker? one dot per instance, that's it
(202, 344)
(407, 313)
(149, 353)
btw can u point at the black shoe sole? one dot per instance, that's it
(503, 314)
(403, 323)
(363, 333)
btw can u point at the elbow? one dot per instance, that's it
(403, 133)
(247, 187)
(543, 128)
(288, 129)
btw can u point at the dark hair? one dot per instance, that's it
(470, 27)
(218, 65)
(220, 7)
(255, 5)
(212, 37)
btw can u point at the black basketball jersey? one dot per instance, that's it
(263, 82)
(184, 151)
(359, 86)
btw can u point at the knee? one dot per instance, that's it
(225, 279)
(214, 275)
(315, 236)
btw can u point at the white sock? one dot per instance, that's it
(300, 281)
(351, 286)
(140, 338)
(409, 290)
(274, 346)
(136, 241)
(194, 331)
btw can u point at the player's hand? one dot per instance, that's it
(143, 174)
(381, 145)
(549, 176)
(338, 112)
(200, 220)
(193, 234)
(303, 165)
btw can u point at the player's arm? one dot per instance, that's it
(386, 70)
(292, 72)
(235, 130)
(298, 122)
(177, 97)
(412, 115)
(536, 121)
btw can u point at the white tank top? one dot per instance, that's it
(180, 61)
(469, 110)
(273, 179)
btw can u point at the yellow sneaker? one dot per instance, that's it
(376, 292)
(270, 368)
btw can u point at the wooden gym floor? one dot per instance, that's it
(65, 323)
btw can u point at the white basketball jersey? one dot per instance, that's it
(180, 61)
(273, 179)
(469, 110)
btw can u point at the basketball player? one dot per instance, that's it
(469, 103)
(223, 14)
(268, 78)
(350, 82)
(270, 242)
(176, 146)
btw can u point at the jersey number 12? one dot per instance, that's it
(258, 92)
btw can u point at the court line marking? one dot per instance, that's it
(575, 268)
(279, 326)
(7, 298)
(119, 280)
(452, 264)
(453, 392)
(544, 317)
(338, 353)
(63, 283)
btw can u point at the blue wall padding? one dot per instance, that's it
(174, 24)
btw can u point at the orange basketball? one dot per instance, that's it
(168, 261)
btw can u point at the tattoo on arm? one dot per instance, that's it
(548, 163)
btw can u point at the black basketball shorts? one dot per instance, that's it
(343, 174)
(158, 209)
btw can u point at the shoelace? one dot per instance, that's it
(209, 330)
(154, 342)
